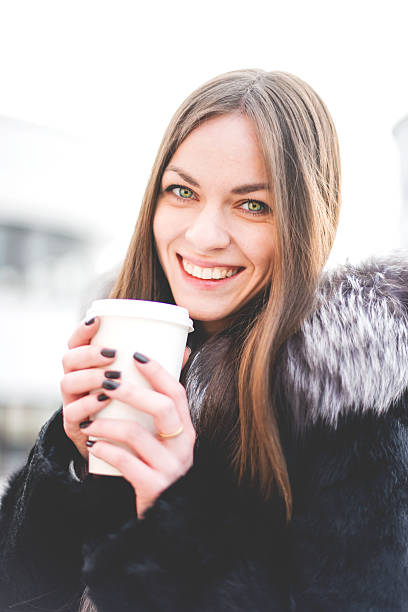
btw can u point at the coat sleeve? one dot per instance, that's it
(203, 546)
(349, 534)
(43, 517)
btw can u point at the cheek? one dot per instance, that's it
(266, 260)
(259, 250)
(166, 232)
(160, 234)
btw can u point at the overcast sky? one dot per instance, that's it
(113, 72)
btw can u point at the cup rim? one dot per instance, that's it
(125, 307)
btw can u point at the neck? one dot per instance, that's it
(210, 328)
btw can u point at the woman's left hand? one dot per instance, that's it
(152, 462)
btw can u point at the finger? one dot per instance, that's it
(84, 333)
(81, 409)
(87, 356)
(138, 439)
(187, 353)
(161, 407)
(138, 473)
(163, 382)
(77, 412)
(82, 381)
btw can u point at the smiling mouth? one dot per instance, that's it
(209, 273)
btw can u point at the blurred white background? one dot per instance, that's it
(86, 90)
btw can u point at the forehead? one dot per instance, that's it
(226, 145)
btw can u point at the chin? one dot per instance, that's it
(206, 317)
(201, 314)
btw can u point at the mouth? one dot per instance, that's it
(213, 275)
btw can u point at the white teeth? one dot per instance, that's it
(208, 273)
(188, 267)
(196, 271)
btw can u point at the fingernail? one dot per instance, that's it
(102, 397)
(90, 321)
(90, 443)
(140, 358)
(108, 352)
(112, 374)
(110, 384)
(85, 424)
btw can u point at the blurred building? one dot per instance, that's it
(401, 135)
(49, 241)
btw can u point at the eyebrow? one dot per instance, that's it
(241, 189)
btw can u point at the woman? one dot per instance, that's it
(278, 480)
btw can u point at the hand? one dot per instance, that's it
(80, 377)
(152, 463)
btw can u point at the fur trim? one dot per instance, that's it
(351, 354)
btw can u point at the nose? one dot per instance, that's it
(208, 231)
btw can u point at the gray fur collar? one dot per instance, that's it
(351, 354)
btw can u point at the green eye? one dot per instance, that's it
(184, 192)
(181, 192)
(254, 206)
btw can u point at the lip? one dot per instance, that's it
(205, 283)
(201, 263)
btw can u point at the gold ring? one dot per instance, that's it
(171, 435)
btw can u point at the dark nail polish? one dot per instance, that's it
(90, 321)
(112, 374)
(85, 424)
(140, 358)
(110, 384)
(102, 397)
(108, 352)
(90, 443)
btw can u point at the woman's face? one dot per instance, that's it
(213, 225)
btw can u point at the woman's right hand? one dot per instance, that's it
(81, 376)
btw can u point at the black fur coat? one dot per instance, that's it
(207, 546)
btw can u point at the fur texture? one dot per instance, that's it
(352, 353)
(207, 546)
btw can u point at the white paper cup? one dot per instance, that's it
(154, 329)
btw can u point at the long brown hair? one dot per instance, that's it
(299, 144)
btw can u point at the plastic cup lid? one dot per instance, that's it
(158, 311)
